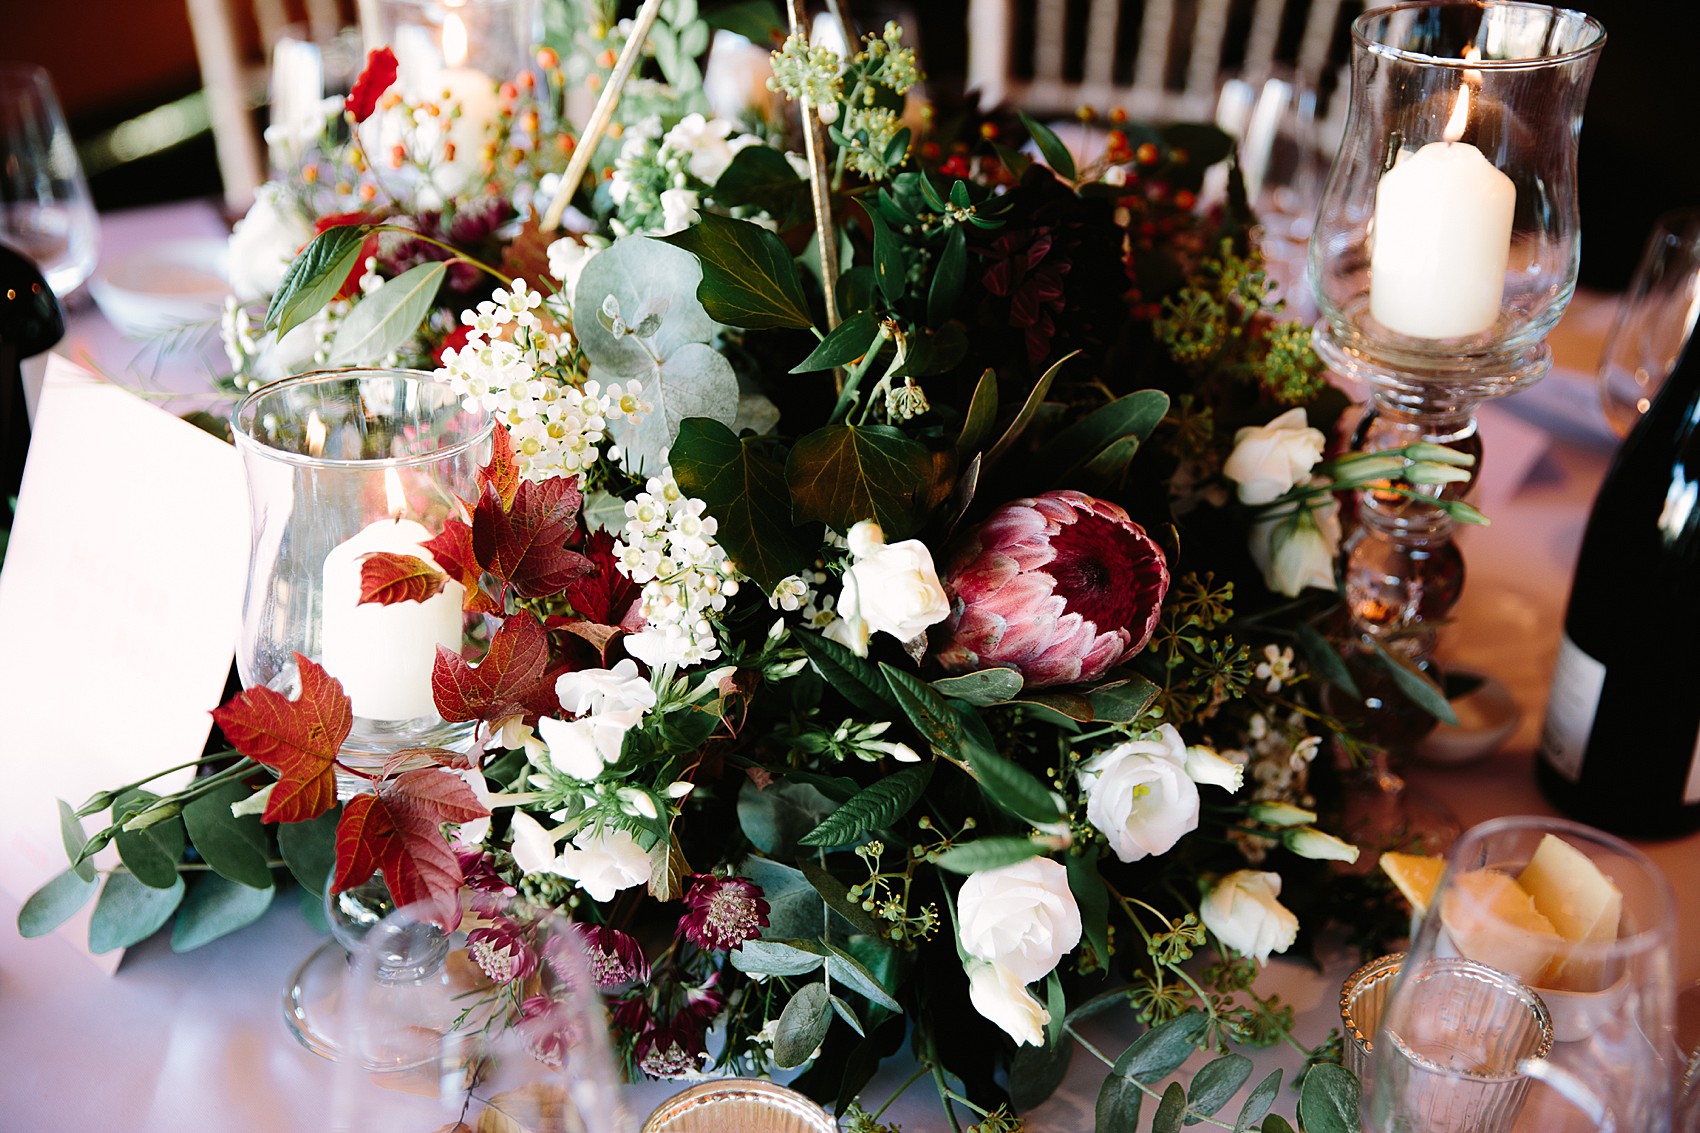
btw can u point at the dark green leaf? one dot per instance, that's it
(857, 289)
(1275, 1123)
(748, 278)
(1037, 1071)
(897, 150)
(1066, 704)
(776, 816)
(758, 21)
(235, 847)
(150, 854)
(1013, 160)
(1215, 1083)
(981, 417)
(1422, 691)
(760, 177)
(1093, 899)
(793, 906)
(381, 323)
(1257, 1102)
(1160, 1051)
(940, 724)
(842, 474)
(1322, 657)
(891, 264)
(1117, 1109)
(744, 489)
(309, 849)
(848, 342)
(988, 853)
(879, 804)
(216, 906)
(837, 897)
(1055, 153)
(848, 1013)
(1202, 143)
(1134, 415)
(71, 834)
(934, 351)
(1328, 1101)
(983, 687)
(948, 274)
(848, 970)
(129, 911)
(786, 958)
(1170, 1110)
(315, 276)
(1014, 789)
(1028, 409)
(852, 677)
(55, 903)
(1122, 702)
(802, 1026)
(1112, 462)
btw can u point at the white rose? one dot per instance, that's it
(604, 861)
(999, 995)
(1021, 917)
(263, 244)
(1139, 795)
(1297, 546)
(893, 587)
(1243, 913)
(605, 690)
(1269, 459)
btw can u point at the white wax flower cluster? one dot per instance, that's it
(1142, 795)
(668, 548)
(508, 368)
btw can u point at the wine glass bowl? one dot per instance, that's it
(45, 208)
(1654, 320)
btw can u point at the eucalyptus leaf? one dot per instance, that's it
(1322, 657)
(802, 1026)
(842, 474)
(695, 380)
(639, 274)
(1257, 1103)
(1122, 702)
(1328, 1101)
(55, 903)
(837, 897)
(784, 958)
(982, 687)
(129, 912)
(946, 729)
(1160, 1051)
(793, 906)
(381, 323)
(235, 847)
(1117, 1107)
(216, 906)
(1422, 691)
(309, 849)
(848, 1013)
(848, 970)
(1036, 1071)
(748, 277)
(1171, 1108)
(744, 490)
(948, 276)
(315, 276)
(1215, 1084)
(877, 805)
(775, 817)
(992, 852)
(1275, 1123)
(847, 342)
(152, 853)
(71, 835)
(1051, 147)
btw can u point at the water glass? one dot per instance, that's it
(1654, 319)
(45, 208)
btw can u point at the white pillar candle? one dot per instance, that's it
(383, 654)
(1442, 236)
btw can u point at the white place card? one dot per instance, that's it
(121, 596)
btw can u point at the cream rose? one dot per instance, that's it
(262, 245)
(1296, 547)
(889, 588)
(1269, 459)
(999, 995)
(1140, 796)
(1243, 912)
(1020, 917)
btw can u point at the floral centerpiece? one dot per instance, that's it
(873, 647)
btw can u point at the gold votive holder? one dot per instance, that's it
(739, 1105)
(1362, 997)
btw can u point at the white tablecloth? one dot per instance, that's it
(184, 1043)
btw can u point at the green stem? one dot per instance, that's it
(920, 1072)
(853, 376)
(449, 248)
(157, 774)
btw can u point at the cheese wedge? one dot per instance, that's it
(1582, 904)
(1491, 919)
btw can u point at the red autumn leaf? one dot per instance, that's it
(526, 545)
(299, 739)
(453, 551)
(603, 595)
(397, 829)
(377, 77)
(502, 473)
(387, 578)
(598, 636)
(500, 684)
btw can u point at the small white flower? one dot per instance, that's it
(1276, 667)
(533, 848)
(604, 861)
(1140, 796)
(1243, 912)
(581, 748)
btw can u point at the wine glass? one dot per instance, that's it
(495, 1022)
(1654, 319)
(45, 209)
(1283, 171)
(1502, 1020)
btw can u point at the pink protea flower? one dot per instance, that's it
(724, 912)
(1060, 588)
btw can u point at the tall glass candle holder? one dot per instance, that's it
(1445, 250)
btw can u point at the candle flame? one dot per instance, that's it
(1460, 119)
(393, 493)
(454, 40)
(316, 433)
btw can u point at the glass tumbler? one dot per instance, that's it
(45, 208)
(1654, 319)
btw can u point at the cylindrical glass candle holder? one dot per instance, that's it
(342, 465)
(493, 39)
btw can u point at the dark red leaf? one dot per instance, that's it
(502, 683)
(604, 595)
(387, 578)
(526, 545)
(599, 636)
(398, 829)
(453, 551)
(502, 473)
(377, 77)
(298, 738)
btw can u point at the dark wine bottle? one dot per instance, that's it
(1621, 745)
(30, 322)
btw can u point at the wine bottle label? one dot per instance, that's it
(1576, 685)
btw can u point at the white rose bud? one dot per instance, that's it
(1309, 842)
(1207, 769)
(1000, 996)
(1296, 547)
(1281, 814)
(1020, 917)
(1244, 914)
(891, 587)
(1139, 795)
(1269, 459)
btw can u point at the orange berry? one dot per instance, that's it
(547, 58)
(1185, 199)
(607, 58)
(988, 130)
(1118, 115)
(508, 92)
(310, 174)
(1085, 113)
(448, 151)
(368, 191)
(526, 80)
(1146, 154)
(343, 188)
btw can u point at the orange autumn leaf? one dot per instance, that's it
(387, 578)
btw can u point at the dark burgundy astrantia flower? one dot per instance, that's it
(724, 912)
(501, 950)
(615, 958)
(1060, 588)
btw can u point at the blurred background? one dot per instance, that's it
(127, 75)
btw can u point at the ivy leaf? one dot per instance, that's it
(802, 1026)
(842, 474)
(151, 853)
(1257, 1103)
(988, 853)
(748, 277)
(983, 687)
(879, 804)
(847, 342)
(235, 847)
(948, 274)
(216, 906)
(525, 545)
(299, 739)
(55, 903)
(387, 578)
(1056, 154)
(381, 323)
(397, 829)
(1215, 1083)
(498, 686)
(744, 489)
(761, 177)
(1328, 1101)
(852, 677)
(315, 276)
(129, 912)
